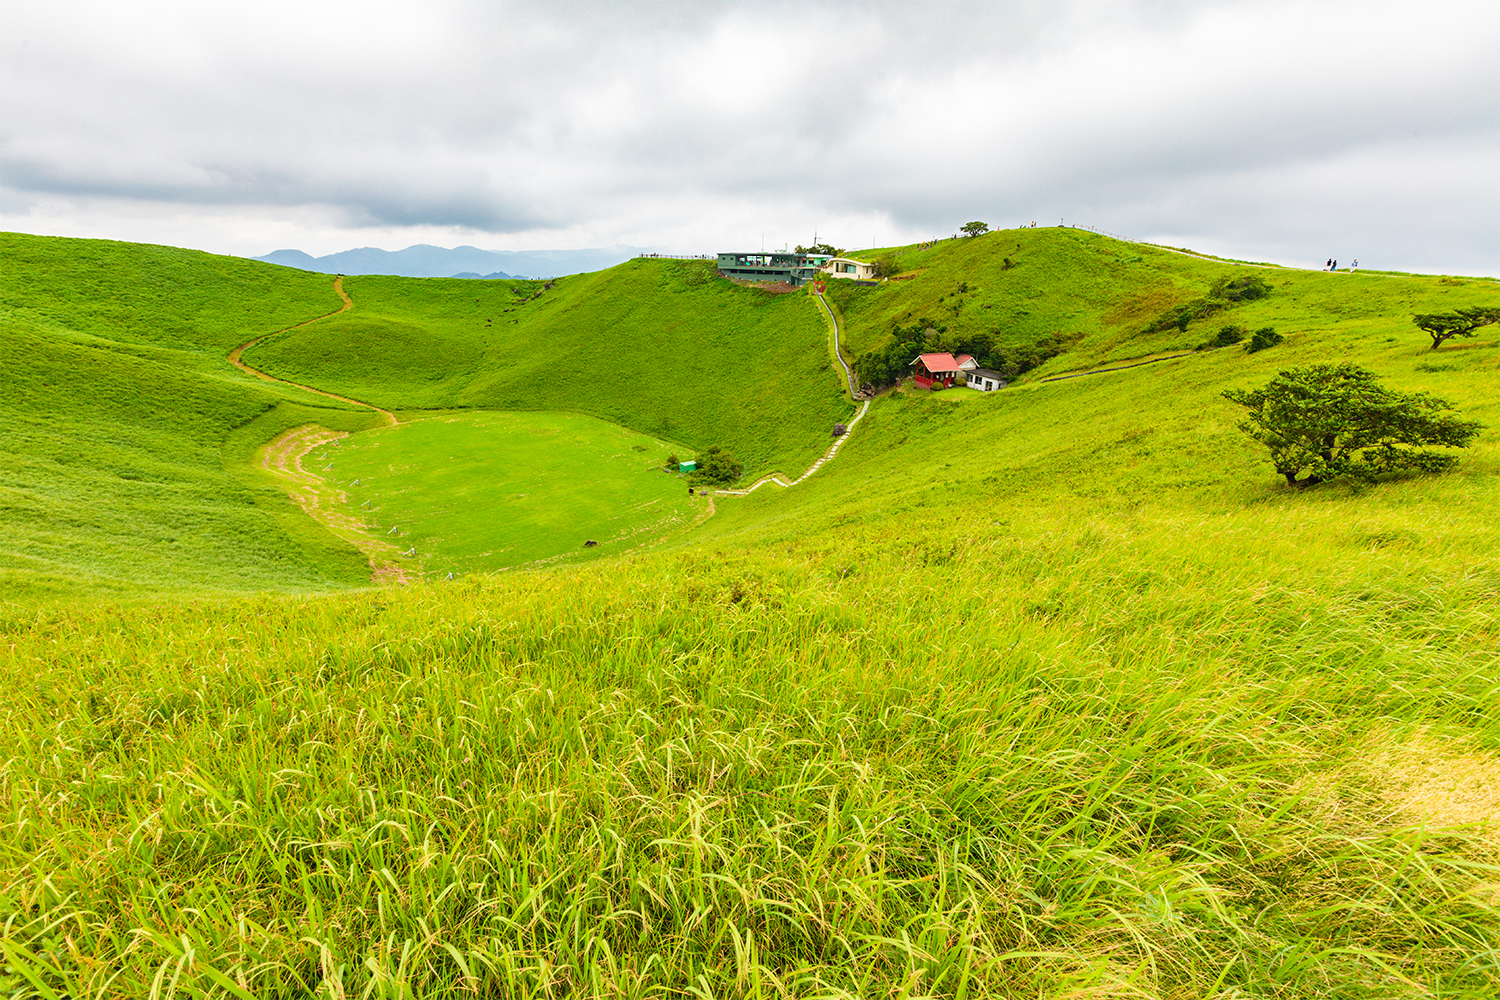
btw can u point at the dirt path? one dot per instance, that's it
(234, 358)
(282, 458)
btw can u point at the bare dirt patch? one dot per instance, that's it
(324, 503)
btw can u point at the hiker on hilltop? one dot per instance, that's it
(1328, 264)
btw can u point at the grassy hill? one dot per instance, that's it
(119, 408)
(659, 346)
(1024, 285)
(1050, 692)
(132, 465)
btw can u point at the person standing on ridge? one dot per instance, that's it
(1335, 266)
(1328, 264)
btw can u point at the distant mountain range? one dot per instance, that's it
(424, 261)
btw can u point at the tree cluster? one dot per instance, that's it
(715, 465)
(1335, 421)
(824, 248)
(974, 228)
(1463, 323)
(891, 363)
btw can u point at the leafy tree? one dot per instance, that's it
(1336, 421)
(827, 248)
(715, 465)
(974, 228)
(886, 266)
(1463, 323)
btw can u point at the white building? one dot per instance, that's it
(848, 267)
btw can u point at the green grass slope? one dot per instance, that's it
(1104, 292)
(117, 408)
(659, 346)
(1053, 692)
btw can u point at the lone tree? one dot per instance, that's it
(1335, 421)
(1463, 323)
(974, 228)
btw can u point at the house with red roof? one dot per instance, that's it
(928, 369)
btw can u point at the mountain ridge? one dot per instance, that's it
(423, 260)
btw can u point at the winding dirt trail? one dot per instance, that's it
(321, 501)
(282, 458)
(234, 357)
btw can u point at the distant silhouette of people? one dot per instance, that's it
(1335, 264)
(1328, 264)
(1353, 266)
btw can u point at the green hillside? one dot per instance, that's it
(659, 346)
(1052, 692)
(1024, 285)
(118, 410)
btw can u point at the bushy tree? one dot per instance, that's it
(1463, 323)
(1336, 421)
(715, 465)
(974, 228)
(886, 266)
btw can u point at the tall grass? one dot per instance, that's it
(809, 769)
(1054, 693)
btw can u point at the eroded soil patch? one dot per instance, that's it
(324, 503)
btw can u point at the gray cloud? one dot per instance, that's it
(1269, 130)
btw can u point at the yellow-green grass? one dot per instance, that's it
(1059, 692)
(473, 491)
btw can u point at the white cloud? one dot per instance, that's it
(1274, 130)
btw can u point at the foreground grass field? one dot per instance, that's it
(1054, 692)
(478, 491)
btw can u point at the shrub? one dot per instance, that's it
(671, 465)
(887, 266)
(715, 465)
(1228, 334)
(1245, 288)
(1263, 338)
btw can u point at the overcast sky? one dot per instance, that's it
(1290, 132)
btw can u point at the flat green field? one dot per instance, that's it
(481, 491)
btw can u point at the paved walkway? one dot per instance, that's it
(838, 442)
